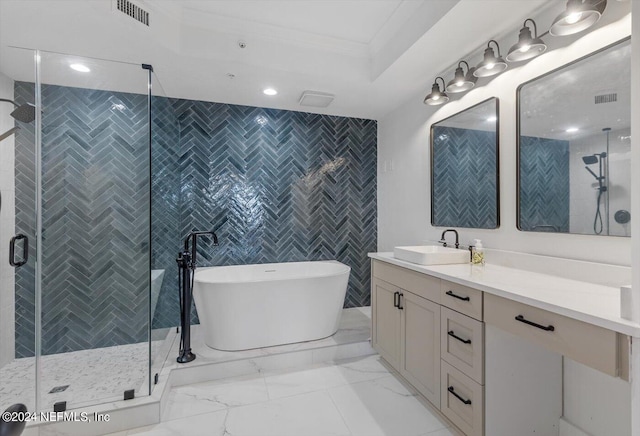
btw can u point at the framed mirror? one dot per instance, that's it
(464, 168)
(574, 147)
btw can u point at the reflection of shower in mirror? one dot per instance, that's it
(603, 180)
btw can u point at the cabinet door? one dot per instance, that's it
(386, 321)
(420, 351)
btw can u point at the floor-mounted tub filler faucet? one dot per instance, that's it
(187, 263)
(444, 242)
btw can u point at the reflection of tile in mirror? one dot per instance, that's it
(464, 170)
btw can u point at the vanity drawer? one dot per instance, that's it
(586, 343)
(419, 284)
(462, 400)
(461, 299)
(462, 343)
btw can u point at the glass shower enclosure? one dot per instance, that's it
(76, 183)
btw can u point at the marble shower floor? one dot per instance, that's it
(94, 376)
(359, 396)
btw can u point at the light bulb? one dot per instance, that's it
(490, 66)
(435, 97)
(573, 18)
(525, 48)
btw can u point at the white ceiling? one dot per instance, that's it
(352, 20)
(372, 54)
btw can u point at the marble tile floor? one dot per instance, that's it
(355, 327)
(94, 376)
(351, 341)
(359, 396)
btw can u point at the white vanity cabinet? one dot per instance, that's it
(386, 321)
(438, 350)
(420, 345)
(462, 353)
(490, 363)
(406, 325)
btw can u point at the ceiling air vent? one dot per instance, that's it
(135, 12)
(316, 99)
(606, 98)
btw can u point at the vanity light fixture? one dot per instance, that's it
(462, 82)
(527, 47)
(577, 16)
(491, 65)
(436, 97)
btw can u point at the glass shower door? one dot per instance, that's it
(95, 230)
(17, 228)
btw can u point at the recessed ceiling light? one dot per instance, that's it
(572, 130)
(270, 91)
(79, 67)
(492, 119)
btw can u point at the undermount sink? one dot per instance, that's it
(431, 255)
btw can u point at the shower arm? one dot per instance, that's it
(9, 132)
(9, 101)
(598, 178)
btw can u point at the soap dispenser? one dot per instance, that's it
(477, 257)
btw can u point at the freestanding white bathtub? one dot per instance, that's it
(254, 306)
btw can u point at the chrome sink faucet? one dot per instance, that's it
(444, 242)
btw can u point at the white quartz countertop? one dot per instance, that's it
(592, 303)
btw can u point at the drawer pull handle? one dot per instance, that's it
(453, 335)
(548, 328)
(451, 294)
(396, 299)
(400, 297)
(450, 389)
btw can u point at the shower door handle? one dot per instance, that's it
(12, 251)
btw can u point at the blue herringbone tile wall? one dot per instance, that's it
(165, 201)
(95, 197)
(544, 184)
(464, 178)
(275, 185)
